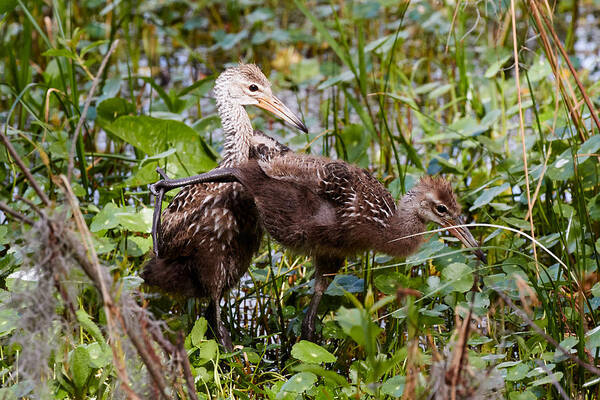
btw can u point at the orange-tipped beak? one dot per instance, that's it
(277, 108)
(464, 235)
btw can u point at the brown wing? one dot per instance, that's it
(357, 195)
(199, 214)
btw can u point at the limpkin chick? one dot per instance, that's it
(210, 231)
(331, 209)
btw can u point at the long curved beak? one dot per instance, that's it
(464, 235)
(277, 108)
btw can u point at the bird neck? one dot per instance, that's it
(237, 128)
(405, 222)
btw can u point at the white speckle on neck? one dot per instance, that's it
(235, 121)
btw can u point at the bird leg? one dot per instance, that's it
(159, 189)
(323, 265)
(216, 175)
(213, 317)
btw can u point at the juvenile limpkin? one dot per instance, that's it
(331, 209)
(210, 231)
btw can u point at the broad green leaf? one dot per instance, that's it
(526, 395)
(488, 195)
(207, 350)
(555, 377)
(331, 377)
(154, 136)
(105, 219)
(299, 383)
(345, 283)
(459, 275)
(596, 289)
(137, 246)
(389, 281)
(198, 331)
(80, 366)
(135, 221)
(357, 324)
(99, 357)
(311, 353)
(592, 338)
(111, 109)
(394, 386)
(8, 320)
(568, 345)
(517, 373)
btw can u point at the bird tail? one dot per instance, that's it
(169, 275)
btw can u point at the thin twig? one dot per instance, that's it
(589, 367)
(13, 153)
(7, 210)
(86, 106)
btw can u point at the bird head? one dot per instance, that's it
(247, 85)
(436, 202)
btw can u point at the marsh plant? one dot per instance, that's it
(501, 98)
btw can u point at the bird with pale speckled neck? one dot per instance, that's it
(210, 231)
(331, 209)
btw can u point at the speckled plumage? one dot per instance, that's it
(332, 209)
(210, 231)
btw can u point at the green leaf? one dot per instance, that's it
(517, 373)
(345, 283)
(567, 345)
(105, 219)
(60, 53)
(207, 350)
(330, 377)
(80, 366)
(198, 331)
(135, 221)
(394, 386)
(311, 353)
(154, 136)
(495, 67)
(357, 324)
(389, 281)
(299, 383)
(111, 109)
(90, 327)
(459, 275)
(555, 377)
(99, 357)
(596, 289)
(7, 6)
(488, 195)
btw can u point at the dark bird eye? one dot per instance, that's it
(253, 88)
(441, 209)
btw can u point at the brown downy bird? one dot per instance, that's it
(210, 231)
(331, 209)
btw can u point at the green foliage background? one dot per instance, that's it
(402, 89)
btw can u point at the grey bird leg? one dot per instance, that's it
(213, 317)
(216, 175)
(323, 265)
(159, 189)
